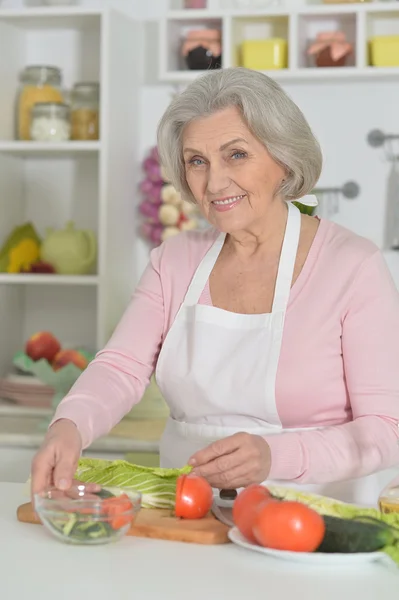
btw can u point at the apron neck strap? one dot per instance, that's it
(285, 271)
(287, 259)
(203, 272)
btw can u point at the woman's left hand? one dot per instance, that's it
(233, 462)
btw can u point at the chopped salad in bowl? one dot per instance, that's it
(81, 516)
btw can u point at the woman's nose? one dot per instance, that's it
(218, 179)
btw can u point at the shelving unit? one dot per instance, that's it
(43, 149)
(90, 183)
(37, 279)
(299, 26)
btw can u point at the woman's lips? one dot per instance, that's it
(227, 203)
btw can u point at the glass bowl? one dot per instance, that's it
(81, 516)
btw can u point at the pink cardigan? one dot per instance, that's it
(339, 363)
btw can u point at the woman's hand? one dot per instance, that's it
(234, 462)
(56, 461)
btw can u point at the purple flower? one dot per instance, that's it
(152, 169)
(151, 191)
(148, 209)
(146, 186)
(146, 230)
(156, 234)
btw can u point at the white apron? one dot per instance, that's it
(217, 372)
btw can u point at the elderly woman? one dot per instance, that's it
(273, 335)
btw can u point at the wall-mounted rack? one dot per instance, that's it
(349, 190)
(377, 138)
(330, 196)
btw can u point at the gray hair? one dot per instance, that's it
(269, 113)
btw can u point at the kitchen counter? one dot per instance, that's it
(36, 566)
(23, 427)
(22, 430)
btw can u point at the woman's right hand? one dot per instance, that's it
(57, 459)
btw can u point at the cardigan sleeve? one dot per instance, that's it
(370, 350)
(117, 377)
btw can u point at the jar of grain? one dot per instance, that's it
(50, 122)
(85, 112)
(389, 498)
(37, 84)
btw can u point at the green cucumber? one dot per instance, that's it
(69, 525)
(104, 494)
(92, 528)
(356, 535)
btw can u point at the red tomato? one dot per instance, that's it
(194, 497)
(118, 510)
(245, 507)
(289, 526)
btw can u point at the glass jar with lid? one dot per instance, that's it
(389, 497)
(38, 83)
(85, 111)
(50, 122)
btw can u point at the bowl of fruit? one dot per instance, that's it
(44, 358)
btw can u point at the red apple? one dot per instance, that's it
(64, 357)
(42, 345)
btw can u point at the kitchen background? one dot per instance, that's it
(89, 169)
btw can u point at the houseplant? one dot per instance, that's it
(330, 49)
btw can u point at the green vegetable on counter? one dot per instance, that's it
(349, 528)
(357, 535)
(157, 485)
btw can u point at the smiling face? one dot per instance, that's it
(229, 171)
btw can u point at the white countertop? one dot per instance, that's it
(34, 565)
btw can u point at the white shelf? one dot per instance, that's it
(48, 17)
(299, 26)
(205, 14)
(351, 73)
(49, 149)
(47, 279)
(315, 9)
(355, 7)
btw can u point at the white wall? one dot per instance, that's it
(341, 114)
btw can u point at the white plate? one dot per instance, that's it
(311, 558)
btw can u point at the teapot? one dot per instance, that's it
(71, 251)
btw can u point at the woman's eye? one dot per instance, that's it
(197, 162)
(238, 154)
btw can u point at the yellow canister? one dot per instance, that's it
(384, 51)
(264, 55)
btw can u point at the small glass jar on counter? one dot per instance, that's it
(389, 497)
(37, 84)
(50, 122)
(85, 111)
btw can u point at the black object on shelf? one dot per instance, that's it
(202, 49)
(201, 58)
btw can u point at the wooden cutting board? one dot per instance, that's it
(159, 524)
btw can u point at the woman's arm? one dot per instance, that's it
(116, 379)
(370, 348)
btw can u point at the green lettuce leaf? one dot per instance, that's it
(157, 485)
(329, 506)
